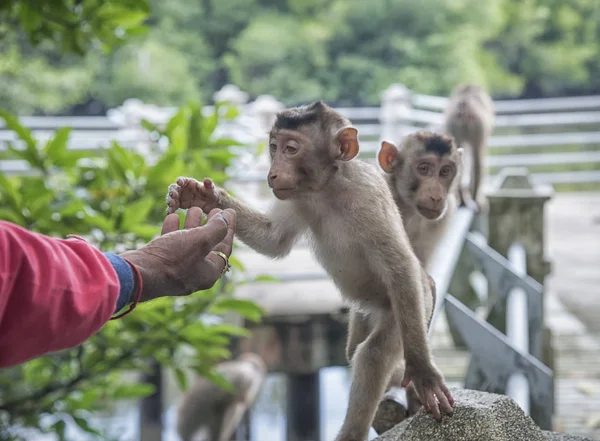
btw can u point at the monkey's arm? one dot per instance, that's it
(273, 235)
(406, 295)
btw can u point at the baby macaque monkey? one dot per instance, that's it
(349, 214)
(469, 119)
(422, 175)
(209, 413)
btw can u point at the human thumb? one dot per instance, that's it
(206, 237)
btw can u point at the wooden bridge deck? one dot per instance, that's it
(573, 243)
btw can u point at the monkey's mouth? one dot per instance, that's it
(283, 193)
(429, 213)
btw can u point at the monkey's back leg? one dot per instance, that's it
(358, 330)
(373, 363)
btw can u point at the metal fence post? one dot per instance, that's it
(516, 214)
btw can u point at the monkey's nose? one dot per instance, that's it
(272, 178)
(436, 199)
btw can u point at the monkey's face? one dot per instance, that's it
(288, 151)
(303, 160)
(432, 178)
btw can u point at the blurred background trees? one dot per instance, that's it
(345, 51)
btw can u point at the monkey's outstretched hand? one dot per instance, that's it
(188, 192)
(430, 386)
(180, 262)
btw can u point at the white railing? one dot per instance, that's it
(574, 119)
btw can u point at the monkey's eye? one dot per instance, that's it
(291, 149)
(423, 168)
(445, 171)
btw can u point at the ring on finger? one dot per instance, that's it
(226, 259)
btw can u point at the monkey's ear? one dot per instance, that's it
(386, 156)
(348, 139)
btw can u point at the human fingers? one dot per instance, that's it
(203, 239)
(226, 245)
(170, 224)
(193, 218)
(214, 212)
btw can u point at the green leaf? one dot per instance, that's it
(139, 390)
(166, 169)
(177, 141)
(226, 142)
(228, 329)
(232, 112)
(265, 278)
(95, 219)
(210, 124)
(194, 138)
(121, 15)
(12, 123)
(59, 427)
(136, 212)
(219, 380)
(245, 308)
(151, 127)
(223, 157)
(181, 378)
(84, 425)
(178, 120)
(236, 263)
(11, 216)
(144, 231)
(10, 194)
(56, 149)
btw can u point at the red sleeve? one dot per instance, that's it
(54, 293)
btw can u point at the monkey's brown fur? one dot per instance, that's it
(206, 406)
(355, 228)
(469, 118)
(422, 175)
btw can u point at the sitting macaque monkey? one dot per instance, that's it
(469, 119)
(209, 413)
(422, 175)
(355, 228)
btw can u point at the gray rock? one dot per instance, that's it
(477, 416)
(554, 436)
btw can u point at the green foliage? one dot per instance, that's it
(343, 51)
(114, 199)
(77, 26)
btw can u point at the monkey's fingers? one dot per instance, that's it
(430, 404)
(172, 199)
(445, 399)
(208, 184)
(183, 182)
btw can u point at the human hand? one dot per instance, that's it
(181, 262)
(188, 192)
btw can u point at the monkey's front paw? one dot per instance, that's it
(188, 192)
(173, 198)
(430, 388)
